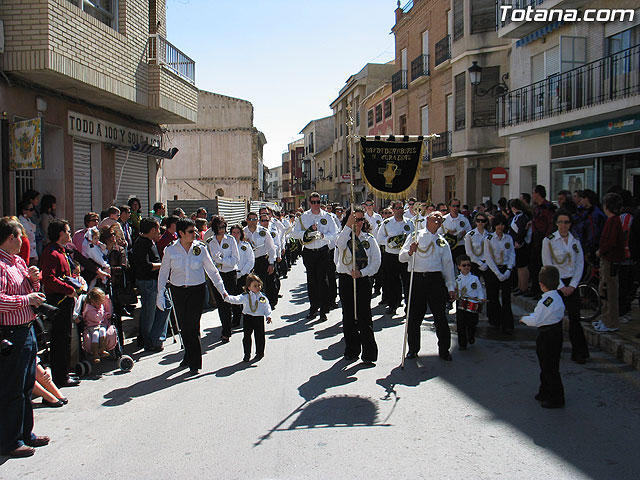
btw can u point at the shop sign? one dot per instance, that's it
(595, 130)
(98, 130)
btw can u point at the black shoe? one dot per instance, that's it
(368, 363)
(507, 331)
(235, 325)
(391, 310)
(154, 349)
(257, 358)
(193, 371)
(323, 317)
(224, 339)
(412, 354)
(462, 347)
(472, 340)
(445, 356)
(539, 397)
(376, 292)
(64, 400)
(183, 364)
(550, 404)
(349, 358)
(246, 358)
(70, 382)
(56, 404)
(580, 360)
(311, 314)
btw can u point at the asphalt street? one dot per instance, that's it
(302, 412)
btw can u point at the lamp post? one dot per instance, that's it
(498, 90)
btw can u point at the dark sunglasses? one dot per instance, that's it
(359, 219)
(465, 264)
(455, 206)
(190, 231)
(315, 202)
(411, 204)
(481, 220)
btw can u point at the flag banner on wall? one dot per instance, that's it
(25, 140)
(391, 167)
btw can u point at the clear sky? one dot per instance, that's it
(289, 59)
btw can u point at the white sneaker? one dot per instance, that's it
(603, 328)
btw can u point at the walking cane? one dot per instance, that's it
(419, 211)
(173, 312)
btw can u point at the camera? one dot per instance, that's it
(48, 312)
(5, 347)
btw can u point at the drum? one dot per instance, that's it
(469, 305)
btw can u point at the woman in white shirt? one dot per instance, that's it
(474, 245)
(246, 260)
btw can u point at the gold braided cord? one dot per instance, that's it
(426, 251)
(251, 307)
(493, 255)
(473, 250)
(556, 261)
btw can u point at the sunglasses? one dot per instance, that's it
(368, 204)
(481, 220)
(455, 206)
(315, 202)
(359, 219)
(411, 204)
(465, 265)
(190, 231)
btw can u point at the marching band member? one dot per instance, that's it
(433, 284)
(392, 235)
(316, 229)
(331, 268)
(246, 261)
(264, 249)
(455, 227)
(501, 258)
(224, 253)
(358, 333)
(410, 212)
(272, 282)
(468, 288)
(563, 251)
(375, 220)
(183, 266)
(474, 245)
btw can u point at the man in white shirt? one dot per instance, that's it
(264, 247)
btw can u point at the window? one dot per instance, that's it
(460, 101)
(458, 19)
(370, 118)
(483, 16)
(403, 124)
(106, 11)
(387, 108)
(378, 113)
(483, 109)
(573, 52)
(449, 188)
(424, 120)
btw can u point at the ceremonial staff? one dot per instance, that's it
(351, 136)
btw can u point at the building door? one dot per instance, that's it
(133, 179)
(633, 181)
(82, 191)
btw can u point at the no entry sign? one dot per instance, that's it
(499, 176)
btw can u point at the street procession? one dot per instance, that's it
(444, 270)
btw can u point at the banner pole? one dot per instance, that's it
(350, 136)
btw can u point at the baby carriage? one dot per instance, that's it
(114, 337)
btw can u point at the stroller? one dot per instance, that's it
(115, 337)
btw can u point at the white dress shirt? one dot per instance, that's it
(374, 220)
(433, 255)
(343, 256)
(468, 286)
(548, 311)
(253, 304)
(225, 253)
(457, 226)
(474, 247)
(566, 257)
(246, 259)
(262, 243)
(181, 268)
(326, 228)
(30, 228)
(393, 234)
(499, 252)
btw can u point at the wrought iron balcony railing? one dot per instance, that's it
(399, 81)
(607, 79)
(441, 147)
(161, 52)
(420, 67)
(443, 50)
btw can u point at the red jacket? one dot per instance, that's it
(55, 267)
(612, 240)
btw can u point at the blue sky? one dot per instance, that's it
(288, 58)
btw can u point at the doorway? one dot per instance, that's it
(633, 181)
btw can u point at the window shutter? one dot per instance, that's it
(484, 108)
(483, 16)
(460, 101)
(458, 19)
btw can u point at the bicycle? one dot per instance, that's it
(590, 303)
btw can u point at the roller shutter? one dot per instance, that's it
(135, 179)
(81, 183)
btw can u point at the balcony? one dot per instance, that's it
(441, 147)
(420, 67)
(66, 49)
(443, 50)
(399, 81)
(508, 29)
(564, 97)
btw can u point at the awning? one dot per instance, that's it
(541, 32)
(153, 151)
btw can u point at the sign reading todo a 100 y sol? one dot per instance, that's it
(96, 129)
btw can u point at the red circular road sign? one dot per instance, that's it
(499, 176)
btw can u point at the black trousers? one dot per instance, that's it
(456, 252)
(535, 265)
(260, 268)
(331, 278)
(358, 333)
(397, 282)
(316, 263)
(188, 305)
(466, 323)
(224, 308)
(253, 325)
(579, 347)
(548, 349)
(61, 336)
(237, 309)
(430, 290)
(499, 314)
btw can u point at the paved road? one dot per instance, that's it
(304, 413)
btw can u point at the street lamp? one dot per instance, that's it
(497, 90)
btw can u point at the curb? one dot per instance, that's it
(609, 342)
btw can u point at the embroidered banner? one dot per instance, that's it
(390, 168)
(25, 140)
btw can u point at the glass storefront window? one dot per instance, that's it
(573, 175)
(611, 172)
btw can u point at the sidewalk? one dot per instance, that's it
(622, 344)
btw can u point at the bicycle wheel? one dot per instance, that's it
(590, 304)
